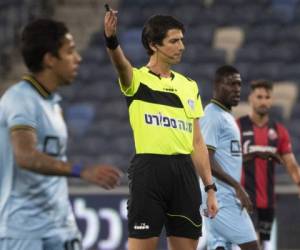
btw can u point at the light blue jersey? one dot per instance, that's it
(33, 205)
(221, 134)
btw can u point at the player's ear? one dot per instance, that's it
(153, 47)
(48, 60)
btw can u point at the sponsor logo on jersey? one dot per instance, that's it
(169, 122)
(248, 133)
(235, 148)
(170, 89)
(247, 148)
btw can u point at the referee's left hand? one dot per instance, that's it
(212, 204)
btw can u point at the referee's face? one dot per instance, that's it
(172, 47)
(66, 65)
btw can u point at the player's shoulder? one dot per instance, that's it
(184, 78)
(17, 92)
(213, 113)
(243, 118)
(213, 108)
(280, 127)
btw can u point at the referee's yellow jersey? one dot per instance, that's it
(161, 112)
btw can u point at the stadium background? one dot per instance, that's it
(260, 37)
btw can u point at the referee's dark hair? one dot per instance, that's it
(156, 28)
(224, 71)
(40, 37)
(267, 85)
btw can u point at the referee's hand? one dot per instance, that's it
(104, 176)
(212, 204)
(110, 23)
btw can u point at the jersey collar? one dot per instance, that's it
(37, 86)
(157, 75)
(214, 101)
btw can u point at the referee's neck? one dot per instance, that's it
(159, 68)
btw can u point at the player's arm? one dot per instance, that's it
(220, 174)
(201, 163)
(262, 155)
(292, 167)
(249, 156)
(119, 60)
(24, 143)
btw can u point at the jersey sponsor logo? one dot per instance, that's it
(258, 148)
(191, 104)
(164, 121)
(51, 146)
(235, 148)
(247, 148)
(141, 226)
(170, 89)
(248, 133)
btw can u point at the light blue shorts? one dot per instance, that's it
(39, 244)
(231, 226)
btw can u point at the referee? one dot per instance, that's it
(164, 108)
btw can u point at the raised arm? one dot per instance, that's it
(119, 60)
(24, 143)
(201, 163)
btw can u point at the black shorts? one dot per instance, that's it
(164, 191)
(263, 220)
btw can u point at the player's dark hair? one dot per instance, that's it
(156, 28)
(224, 71)
(40, 37)
(261, 84)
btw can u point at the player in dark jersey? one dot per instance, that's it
(164, 108)
(265, 142)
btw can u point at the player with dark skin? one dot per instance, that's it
(227, 92)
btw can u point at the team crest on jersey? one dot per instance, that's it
(191, 104)
(272, 134)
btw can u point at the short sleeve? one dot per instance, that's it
(19, 110)
(199, 107)
(284, 144)
(210, 130)
(193, 105)
(135, 83)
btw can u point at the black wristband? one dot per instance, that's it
(111, 42)
(211, 186)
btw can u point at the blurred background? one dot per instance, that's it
(260, 37)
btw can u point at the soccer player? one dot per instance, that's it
(232, 224)
(265, 142)
(164, 107)
(35, 212)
